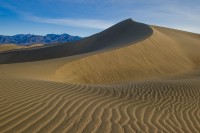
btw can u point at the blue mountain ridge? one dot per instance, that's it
(29, 39)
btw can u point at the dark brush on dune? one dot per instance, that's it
(123, 33)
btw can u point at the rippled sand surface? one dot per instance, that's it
(150, 85)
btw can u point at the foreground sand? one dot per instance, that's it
(149, 86)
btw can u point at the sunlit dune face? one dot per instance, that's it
(158, 56)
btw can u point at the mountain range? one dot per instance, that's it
(29, 39)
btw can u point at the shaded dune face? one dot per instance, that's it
(119, 35)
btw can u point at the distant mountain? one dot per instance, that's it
(28, 39)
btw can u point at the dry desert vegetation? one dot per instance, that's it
(129, 78)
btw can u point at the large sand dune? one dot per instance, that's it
(116, 36)
(139, 79)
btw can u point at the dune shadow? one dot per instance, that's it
(119, 35)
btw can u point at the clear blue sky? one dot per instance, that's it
(86, 17)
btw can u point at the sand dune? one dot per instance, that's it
(146, 83)
(160, 55)
(6, 47)
(116, 36)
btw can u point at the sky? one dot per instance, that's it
(86, 17)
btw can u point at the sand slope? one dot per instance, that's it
(157, 56)
(116, 36)
(6, 47)
(147, 86)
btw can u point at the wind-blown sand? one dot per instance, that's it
(149, 83)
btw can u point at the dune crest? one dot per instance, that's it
(119, 35)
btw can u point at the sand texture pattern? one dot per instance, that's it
(141, 81)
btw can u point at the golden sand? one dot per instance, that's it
(149, 86)
(6, 47)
